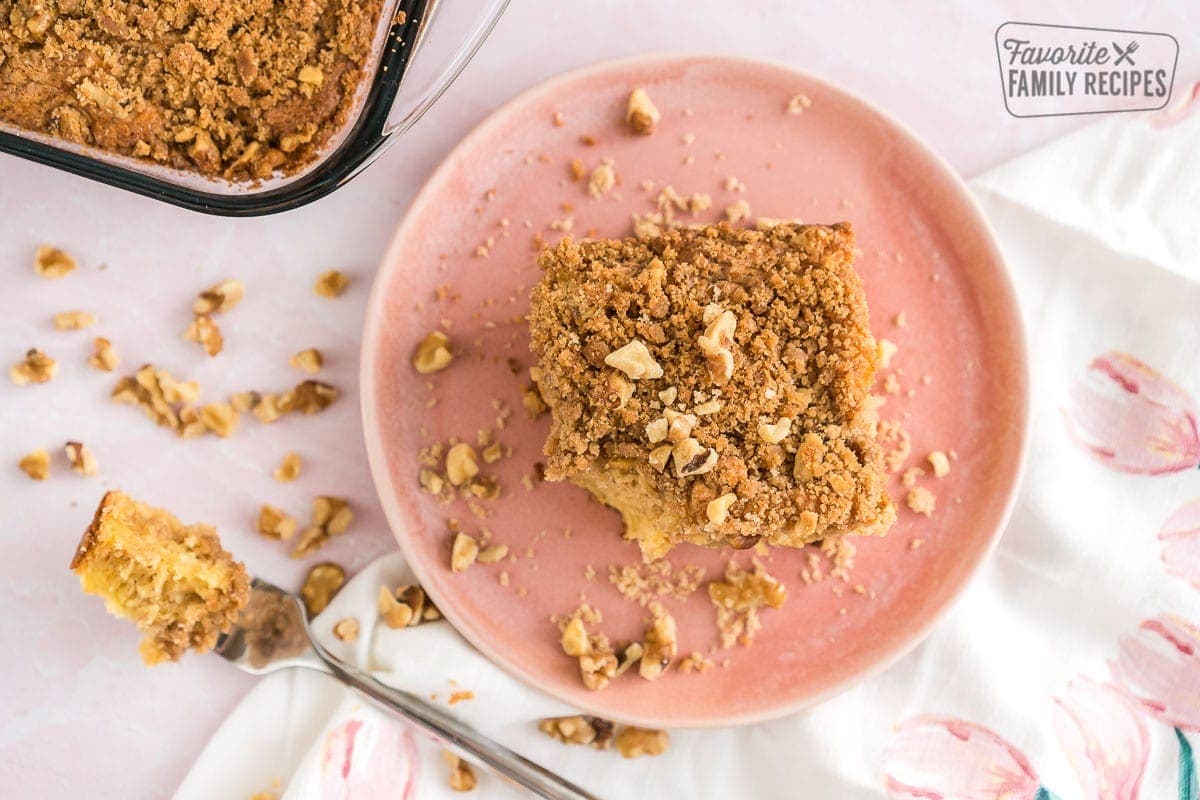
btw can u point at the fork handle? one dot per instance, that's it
(460, 738)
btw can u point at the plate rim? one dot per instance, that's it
(386, 491)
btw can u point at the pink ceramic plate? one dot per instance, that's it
(926, 253)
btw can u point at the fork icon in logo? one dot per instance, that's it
(1125, 55)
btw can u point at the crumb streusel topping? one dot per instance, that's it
(703, 363)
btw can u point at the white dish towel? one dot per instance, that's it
(1071, 667)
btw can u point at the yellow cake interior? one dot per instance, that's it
(174, 581)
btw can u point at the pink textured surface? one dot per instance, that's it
(924, 253)
(81, 713)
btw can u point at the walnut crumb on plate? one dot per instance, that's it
(640, 112)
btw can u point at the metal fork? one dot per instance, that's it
(273, 617)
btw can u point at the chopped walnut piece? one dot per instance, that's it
(74, 320)
(204, 331)
(574, 730)
(621, 387)
(394, 613)
(220, 418)
(243, 401)
(531, 398)
(309, 397)
(667, 396)
(660, 647)
(332, 513)
(716, 343)
(774, 434)
(276, 523)
(921, 501)
(433, 354)
(81, 459)
(602, 179)
(320, 585)
(940, 463)
(463, 552)
(219, 298)
(692, 458)
(309, 361)
(717, 509)
(461, 464)
(492, 553)
(36, 368)
(640, 113)
(104, 356)
(659, 456)
(635, 361)
(36, 465)
(331, 516)
(311, 540)
(633, 742)
(331, 284)
(462, 777)
(431, 481)
(631, 655)
(739, 597)
(50, 262)
(346, 630)
(288, 469)
(575, 638)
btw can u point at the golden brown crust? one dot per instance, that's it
(801, 350)
(219, 87)
(88, 540)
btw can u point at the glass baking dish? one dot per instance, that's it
(420, 47)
